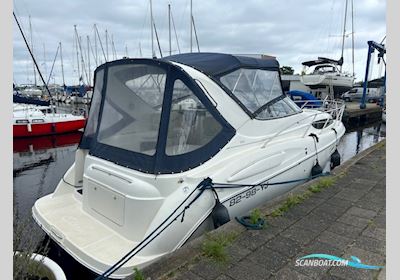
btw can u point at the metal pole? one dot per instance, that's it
(352, 35)
(344, 32)
(77, 54)
(62, 65)
(191, 12)
(153, 55)
(88, 55)
(95, 45)
(44, 59)
(107, 44)
(158, 41)
(195, 34)
(52, 66)
(370, 51)
(101, 44)
(176, 35)
(169, 28)
(140, 50)
(113, 47)
(33, 64)
(33, 58)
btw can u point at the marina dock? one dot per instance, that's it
(344, 219)
(354, 115)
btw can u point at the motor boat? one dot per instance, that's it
(324, 73)
(32, 120)
(171, 142)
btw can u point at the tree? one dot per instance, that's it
(287, 70)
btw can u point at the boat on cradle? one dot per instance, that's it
(324, 71)
(169, 142)
(325, 74)
(31, 120)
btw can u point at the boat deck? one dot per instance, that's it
(72, 228)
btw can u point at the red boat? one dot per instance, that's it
(29, 120)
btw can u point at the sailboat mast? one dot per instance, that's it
(158, 41)
(152, 26)
(195, 34)
(77, 54)
(344, 33)
(169, 28)
(191, 35)
(95, 46)
(176, 35)
(44, 60)
(62, 65)
(30, 52)
(33, 64)
(101, 44)
(88, 57)
(352, 35)
(107, 44)
(113, 47)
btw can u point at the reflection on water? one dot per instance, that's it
(357, 140)
(40, 163)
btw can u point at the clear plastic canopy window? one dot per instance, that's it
(191, 125)
(255, 87)
(132, 108)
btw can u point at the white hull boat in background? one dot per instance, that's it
(325, 74)
(168, 142)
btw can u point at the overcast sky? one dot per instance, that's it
(292, 30)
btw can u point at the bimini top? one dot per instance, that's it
(323, 60)
(217, 64)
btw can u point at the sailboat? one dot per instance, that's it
(327, 73)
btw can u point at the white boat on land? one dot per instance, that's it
(177, 145)
(324, 71)
(325, 74)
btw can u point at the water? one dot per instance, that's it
(40, 163)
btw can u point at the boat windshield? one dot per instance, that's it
(260, 92)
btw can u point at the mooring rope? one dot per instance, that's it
(206, 184)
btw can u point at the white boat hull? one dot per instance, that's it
(339, 83)
(95, 229)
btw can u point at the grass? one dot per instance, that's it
(214, 247)
(27, 240)
(293, 200)
(255, 216)
(138, 274)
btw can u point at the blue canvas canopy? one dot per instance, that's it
(305, 96)
(217, 64)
